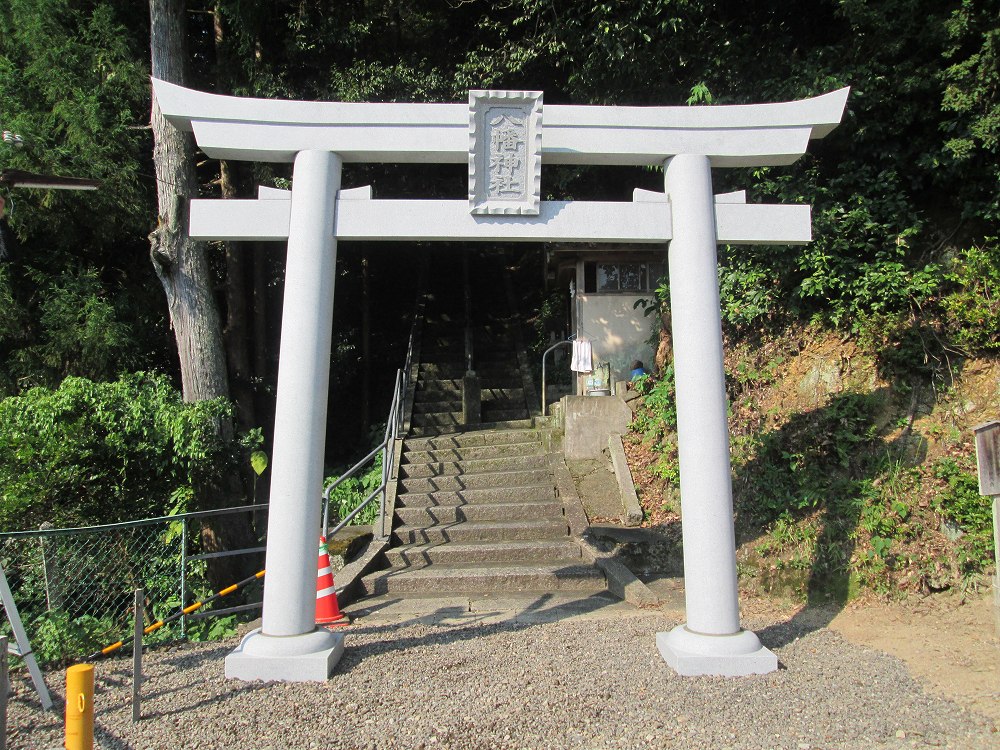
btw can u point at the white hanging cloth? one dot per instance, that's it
(582, 357)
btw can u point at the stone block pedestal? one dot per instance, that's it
(737, 655)
(310, 657)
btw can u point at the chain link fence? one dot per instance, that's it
(74, 587)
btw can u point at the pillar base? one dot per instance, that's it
(309, 657)
(691, 654)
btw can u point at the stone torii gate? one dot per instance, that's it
(500, 134)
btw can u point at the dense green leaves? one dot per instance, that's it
(74, 85)
(100, 452)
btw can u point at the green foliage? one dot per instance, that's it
(76, 290)
(211, 628)
(809, 463)
(656, 421)
(972, 309)
(56, 637)
(658, 414)
(100, 452)
(74, 83)
(970, 97)
(750, 292)
(961, 503)
(353, 491)
(258, 462)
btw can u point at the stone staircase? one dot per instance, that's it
(476, 507)
(437, 406)
(478, 512)
(497, 355)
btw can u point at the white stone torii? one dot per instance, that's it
(318, 137)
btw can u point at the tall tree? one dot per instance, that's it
(180, 262)
(183, 270)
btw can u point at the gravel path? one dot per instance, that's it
(576, 683)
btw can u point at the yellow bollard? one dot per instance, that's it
(80, 707)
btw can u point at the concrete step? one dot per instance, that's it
(505, 380)
(433, 431)
(437, 419)
(473, 438)
(482, 531)
(479, 481)
(474, 453)
(437, 391)
(439, 384)
(464, 467)
(444, 344)
(450, 355)
(490, 414)
(494, 395)
(538, 550)
(475, 497)
(502, 395)
(486, 578)
(450, 412)
(431, 407)
(450, 514)
(497, 375)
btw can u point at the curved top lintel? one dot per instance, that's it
(371, 131)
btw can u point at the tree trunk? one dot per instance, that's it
(236, 333)
(179, 262)
(665, 345)
(183, 271)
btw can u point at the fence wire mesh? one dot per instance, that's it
(74, 587)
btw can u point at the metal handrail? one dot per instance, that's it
(392, 429)
(544, 355)
(394, 426)
(467, 291)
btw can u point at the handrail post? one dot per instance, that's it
(4, 691)
(467, 291)
(544, 391)
(137, 656)
(472, 399)
(545, 400)
(184, 545)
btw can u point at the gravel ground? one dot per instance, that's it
(579, 683)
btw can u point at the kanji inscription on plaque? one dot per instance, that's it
(505, 143)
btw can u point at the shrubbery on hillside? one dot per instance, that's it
(91, 452)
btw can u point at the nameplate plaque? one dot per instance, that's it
(505, 152)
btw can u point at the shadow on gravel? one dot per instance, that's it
(187, 708)
(456, 624)
(108, 739)
(186, 659)
(811, 618)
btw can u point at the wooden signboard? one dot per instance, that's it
(988, 457)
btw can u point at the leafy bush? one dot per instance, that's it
(961, 503)
(352, 492)
(750, 291)
(810, 462)
(56, 637)
(972, 310)
(659, 409)
(101, 452)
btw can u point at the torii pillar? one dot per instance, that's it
(288, 645)
(712, 641)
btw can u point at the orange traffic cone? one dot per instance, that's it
(327, 610)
